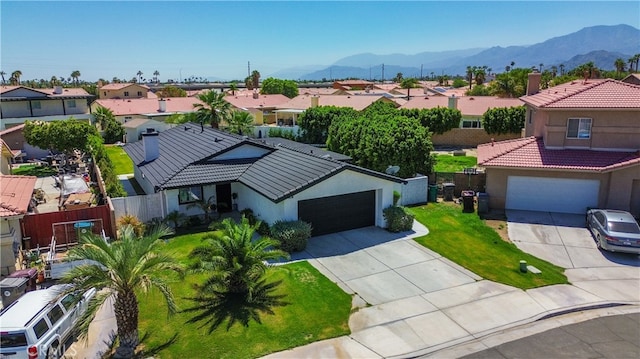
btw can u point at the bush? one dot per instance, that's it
(248, 214)
(398, 219)
(134, 222)
(293, 235)
(263, 229)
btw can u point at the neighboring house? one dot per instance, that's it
(349, 85)
(123, 91)
(147, 108)
(19, 104)
(14, 204)
(632, 79)
(470, 132)
(22, 151)
(6, 158)
(189, 163)
(135, 128)
(582, 150)
(262, 107)
(319, 91)
(306, 148)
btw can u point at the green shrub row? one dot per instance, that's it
(112, 184)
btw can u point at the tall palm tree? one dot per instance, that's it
(120, 270)
(541, 65)
(480, 76)
(554, 71)
(470, 75)
(233, 87)
(54, 81)
(255, 79)
(75, 75)
(236, 290)
(2, 73)
(637, 60)
(16, 75)
(241, 123)
(561, 69)
(139, 74)
(399, 77)
(408, 84)
(619, 64)
(156, 73)
(103, 115)
(213, 109)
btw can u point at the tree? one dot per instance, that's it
(63, 135)
(171, 91)
(314, 122)
(437, 120)
(470, 71)
(213, 109)
(241, 122)
(178, 118)
(236, 290)
(233, 87)
(102, 115)
(247, 83)
(272, 85)
(139, 74)
(480, 75)
(408, 84)
(501, 120)
(16, 76)
(459, 82)
(561, 69)
(206, 206)
(119, 270)
(2, 73)
(156, 73)
(398, 77)
(75, 75)
(619, 65)
(113, 131)
(255, 79)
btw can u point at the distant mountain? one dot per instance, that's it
(295, 73)
(600, 44)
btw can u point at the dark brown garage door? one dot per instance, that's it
(339, 213)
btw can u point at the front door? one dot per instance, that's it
(223, 197)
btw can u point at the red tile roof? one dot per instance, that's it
(140, 106)
(531, 153)
(601, 93)
(118, 86)
(468, 105)
(12, 129)
(317, 91)
(16, 194)
(303, 102)
(246, 100)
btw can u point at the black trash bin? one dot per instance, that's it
(467, 201)
(447, 191)
(483, 203)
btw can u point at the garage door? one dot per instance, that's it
(339, 213)
(551, 194)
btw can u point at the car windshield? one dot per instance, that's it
(12, 340)
(624, 227)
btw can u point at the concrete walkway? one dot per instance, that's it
(414, 302)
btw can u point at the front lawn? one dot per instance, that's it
(34, 170)
(450, 163)
(122, 164)
(466, 240)
(318, 310)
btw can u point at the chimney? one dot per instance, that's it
(533, 84)
(162, 105)
(453, 102)
(57, 90)
(150, 145)
(314, 101)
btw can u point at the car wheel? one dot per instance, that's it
(599, 241)
(54, 351)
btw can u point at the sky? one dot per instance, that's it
(223, 39)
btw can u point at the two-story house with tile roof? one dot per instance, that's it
(123, 91)
(278, 182)
(19, 104)
(581, 150)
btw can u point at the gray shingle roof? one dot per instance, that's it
(283, 172)
(303, 147)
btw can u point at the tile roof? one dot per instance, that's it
(278, 174)
(468, 105)
(12, 129)
(118, 86)
(600, 93)
(143, 106)
(246, 101)
(530, 152)
(317, 91)
(50, 92)
(16, 194)
(303, 102)
(303, 147)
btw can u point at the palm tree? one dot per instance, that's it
(139, 74)
(233, 87)
(54, 80)
(480, 76)
(156, 73)
(214, 108)
(16, 76)
(619, 64)
(408, 84)
(399, 77)
(236, 290)
(541, 65)
(241, 123)
(554, 71)
(120, 270)
(103, 115)
(2, 73)
(207, 207)
(255, 79)
(561, 69)
(75, 75)
(636, 57)
(175, 217)
(470, 75)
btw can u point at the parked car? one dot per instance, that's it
(41, 323)
(615, 231)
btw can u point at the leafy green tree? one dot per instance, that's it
(213, 109)
(16, 77)
(255, 79)
(438, 120)
(315, 121)
(236, 290)
(458, 82)
(171, 91)
(500, 120)
(64, 135)
(241, 122)
(113, 132)
(102, 115)
(272, 85)
(478, 90)
(179, 118)
(156, 73)
(119, 271)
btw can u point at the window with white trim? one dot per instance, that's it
(126, 93)
(471, 124)
(579, 128)
(189, 194)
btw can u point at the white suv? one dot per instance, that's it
(40, 324)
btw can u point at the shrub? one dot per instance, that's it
(263, 229)
(134, 222)
(398, 219)
(292, 235)
(396, 197)
(248, 214)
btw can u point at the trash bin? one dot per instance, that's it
(483, 203)
(467, 201)
(433, 193)
(30, 274)
(12, 289)
(447, 191)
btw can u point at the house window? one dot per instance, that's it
(471, 124)
(36, 105)
(127, 118)
(579, 128)
(126, 94)
(139, 93)
(190, 194)
(71, 103)
(105, 93)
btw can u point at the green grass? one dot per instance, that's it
(449, 163)
(33, 170)
(466, 240)
(121, 162)
(319, 310)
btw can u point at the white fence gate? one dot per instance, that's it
(145, 208)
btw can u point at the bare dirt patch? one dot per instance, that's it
(500, 226)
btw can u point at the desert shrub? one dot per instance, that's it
(398, 219)
(292, 235)
(134, 222)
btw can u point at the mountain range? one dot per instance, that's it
(600, 44)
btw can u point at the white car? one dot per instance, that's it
(41, 324)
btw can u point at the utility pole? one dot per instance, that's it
(248, 68)
(382, 73)
(420, 71)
